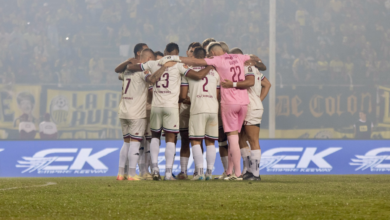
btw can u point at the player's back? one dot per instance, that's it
(203, 93)
(231, 67)
(134, 96)
(166, 90)
(254, 92)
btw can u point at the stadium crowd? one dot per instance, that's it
(318, 41)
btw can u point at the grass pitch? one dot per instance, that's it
(275, 197)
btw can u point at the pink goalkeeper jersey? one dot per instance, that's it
(231, 67)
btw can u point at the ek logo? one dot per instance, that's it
(271, 161)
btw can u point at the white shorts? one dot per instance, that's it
(166, 119)
(133, 128)
(148, 132)
(184, 117)
(203, 125)
(253, 117)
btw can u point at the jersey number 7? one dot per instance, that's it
(128, 84)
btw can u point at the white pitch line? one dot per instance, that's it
(47, 184)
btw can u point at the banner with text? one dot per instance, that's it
(304, 112)
(100, 158)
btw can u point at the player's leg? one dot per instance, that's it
(184, 153)
(185, 141)
(245, 150)
(223, 147)
(141, 158)
(210, 137)
(146, 175)
(124, 150)
(136, 130)
(230, 123)
(171, 128)
(233, 117)
(156, 127)
(252, 132)
(196, 134)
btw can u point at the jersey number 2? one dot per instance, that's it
(205, 84)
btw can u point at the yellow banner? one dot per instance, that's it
(83, 109)
(16, 100)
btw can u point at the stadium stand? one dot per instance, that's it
(64, 41)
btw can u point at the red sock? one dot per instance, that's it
(234, 155)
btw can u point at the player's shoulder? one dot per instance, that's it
(152, 63)
(251, 69)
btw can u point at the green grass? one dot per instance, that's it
(275, 197)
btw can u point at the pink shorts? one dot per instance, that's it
(233, 117)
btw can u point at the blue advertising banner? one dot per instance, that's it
(100, 158)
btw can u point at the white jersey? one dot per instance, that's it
(27, 126)
(166, 91)
(48, 128)
(203, 93)
(134, 95)
(254, 92)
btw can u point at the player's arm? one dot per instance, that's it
(121, 76)
(193, 61)
(257, 62)
(265, 87)
(134, 67)
(122, 67)
(218, 95)
(186, 60)
(183, 98)
(198, 75)
(150, 94)
(152, 79)
(247, 83)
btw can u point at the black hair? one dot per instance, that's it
(149, 50)
(138, 48)
(171, 47)
(194, 44)
(236, 50)
(207, 42)
(199, 53)
(158, 53)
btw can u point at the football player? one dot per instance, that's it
(132, 113)
(164, 113)
(204, 95)
(250, 133)
(233, 101)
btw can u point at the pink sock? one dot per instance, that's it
(234, 151)
(230, 162)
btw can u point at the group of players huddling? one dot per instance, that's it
(212, 94)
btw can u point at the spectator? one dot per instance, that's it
(336, 68)
(27, 129)
(47, 129)
(363, 127)
(96, 70)
(34, 35)
(349, 67)
(323, 68)
(300, 67)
